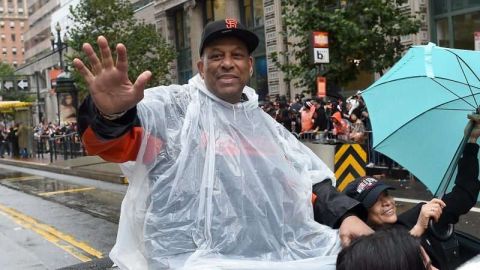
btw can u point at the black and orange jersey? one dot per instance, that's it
(113, 140)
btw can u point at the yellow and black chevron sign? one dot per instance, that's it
(350, 161)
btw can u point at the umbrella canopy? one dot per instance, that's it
(419, 108)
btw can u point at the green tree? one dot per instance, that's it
(114, 19)
(364, 35)
(7, 71)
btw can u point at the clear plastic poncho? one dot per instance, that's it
(219, 186)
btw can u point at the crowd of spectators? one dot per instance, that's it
(51, 130)
(328, 120)
(323, 118)
(16, 137)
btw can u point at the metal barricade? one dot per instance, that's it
(65, 146)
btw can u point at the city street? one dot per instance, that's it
(48, 223)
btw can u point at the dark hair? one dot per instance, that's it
(391, 248)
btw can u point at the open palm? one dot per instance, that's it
(108, 83)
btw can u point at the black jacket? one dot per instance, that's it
(462, 197)
(458, 202)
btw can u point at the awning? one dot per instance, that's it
(10, 106)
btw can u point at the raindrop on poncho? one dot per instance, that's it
(219, 186)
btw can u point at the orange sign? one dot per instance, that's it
(320, 39)
(53, 74)
(321, 86)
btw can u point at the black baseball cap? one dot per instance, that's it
(366, 190)
(228, 27)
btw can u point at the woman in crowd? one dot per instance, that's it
(357, 130)
(374, 196)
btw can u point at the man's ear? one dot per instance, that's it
(200, 65)
(250, 61)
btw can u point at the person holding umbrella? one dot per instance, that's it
(374, 196)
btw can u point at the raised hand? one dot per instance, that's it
(431, 210)
(475, 119)
(108, 83)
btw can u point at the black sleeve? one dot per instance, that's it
(88, 116)
(465, 192)
(331, 206)
(409, 217)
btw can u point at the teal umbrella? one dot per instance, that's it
(419, 108)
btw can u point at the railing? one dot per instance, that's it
(69, 146)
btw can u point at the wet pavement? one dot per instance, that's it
(38, 234)
(100, 203)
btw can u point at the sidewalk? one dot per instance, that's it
(92, 167)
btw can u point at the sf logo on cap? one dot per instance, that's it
(231, 23)
(366, 184)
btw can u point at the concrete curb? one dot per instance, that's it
(104, 263)
(77, 171)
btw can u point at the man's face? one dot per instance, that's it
(225, 67)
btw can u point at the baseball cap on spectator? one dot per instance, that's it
(366, 190)
(228, 27)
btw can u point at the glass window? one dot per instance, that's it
(462, 4)
(465, 26)
(443, 38)
(247, 9)
(209, 11)
(439, 6)
(182, 42)
(253, 13)
(179, 29)
(258, 12)
(259, 79)
(219, 9)
(215, 10)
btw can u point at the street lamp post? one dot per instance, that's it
(65, 85)
(60, 44)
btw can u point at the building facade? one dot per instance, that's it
(40, 57)
(13, 25)
(455, 23)
(181, 23)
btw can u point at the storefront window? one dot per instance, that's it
(465, 26)
(443, 37)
